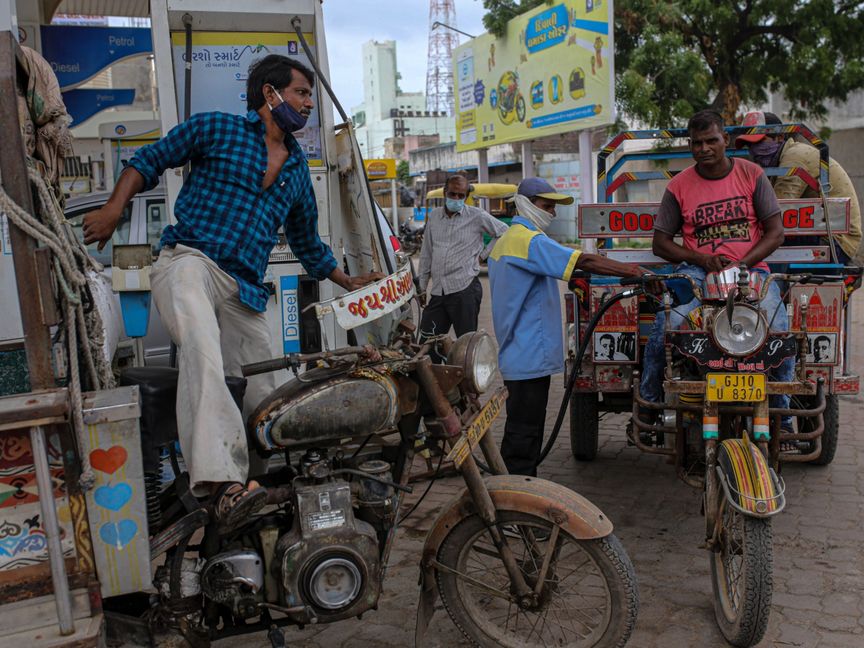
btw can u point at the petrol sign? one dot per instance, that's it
(77, 54)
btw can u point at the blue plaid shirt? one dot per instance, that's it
(222, 209)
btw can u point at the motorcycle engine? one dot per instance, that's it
(330, 559)
(235, 579)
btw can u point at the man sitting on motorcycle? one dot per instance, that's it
(727, 214)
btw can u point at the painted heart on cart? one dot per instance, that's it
(118, 534)
(110, 460)
(113, 498)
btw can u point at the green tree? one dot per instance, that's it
(403, 172)
(674, 57)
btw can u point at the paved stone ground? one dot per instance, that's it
(818, 554)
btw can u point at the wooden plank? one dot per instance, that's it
(13, 175)
(791, 254)
(24, 410)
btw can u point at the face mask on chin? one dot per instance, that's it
(286, 118)
(765, 152)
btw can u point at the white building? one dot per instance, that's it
(386, 111)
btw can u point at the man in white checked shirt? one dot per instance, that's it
(450, 261)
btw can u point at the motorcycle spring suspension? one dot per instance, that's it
(151, 492)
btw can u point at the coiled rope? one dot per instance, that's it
(84, 330)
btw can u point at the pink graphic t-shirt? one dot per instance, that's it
(719, 215)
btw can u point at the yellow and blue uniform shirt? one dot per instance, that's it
(524, 269)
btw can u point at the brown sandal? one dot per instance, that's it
(233, 504)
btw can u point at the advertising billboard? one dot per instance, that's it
(552, 73)
(380, 169)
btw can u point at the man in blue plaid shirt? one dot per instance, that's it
(248, 178)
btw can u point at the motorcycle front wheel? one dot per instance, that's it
(590, 597)
(742, 576)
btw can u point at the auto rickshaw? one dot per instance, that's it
(496, 193)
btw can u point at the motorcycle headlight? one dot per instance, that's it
(744, 334)
(477, 354)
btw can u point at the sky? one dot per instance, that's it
(350, 23)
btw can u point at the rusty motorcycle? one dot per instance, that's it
(506, 555)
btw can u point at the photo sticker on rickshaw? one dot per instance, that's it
(616, 334)
(614, 347)
(822, 348)
(824, 308)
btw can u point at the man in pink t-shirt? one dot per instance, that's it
(726, 213)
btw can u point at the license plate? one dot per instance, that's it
(478, 427)
(735, 387)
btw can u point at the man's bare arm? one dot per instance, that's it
(100, 224)
(598, 264)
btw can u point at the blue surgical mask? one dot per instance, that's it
(286, 118)
(454, 206)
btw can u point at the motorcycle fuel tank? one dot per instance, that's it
(301, 414)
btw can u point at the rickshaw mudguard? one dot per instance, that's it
(539, 497)
(748, 482)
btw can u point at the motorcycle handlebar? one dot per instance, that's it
(296, 359)
(804, 278)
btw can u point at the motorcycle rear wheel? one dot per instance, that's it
(742, 576)
(591, 598)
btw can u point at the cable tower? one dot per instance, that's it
(439, 62)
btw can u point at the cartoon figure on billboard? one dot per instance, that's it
(598, 51)
(556, 89)
(577, 83)
(491, 60)
(511, 103)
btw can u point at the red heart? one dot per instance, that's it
(108, 461)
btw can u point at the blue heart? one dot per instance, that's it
(118, 534)
(113, 498)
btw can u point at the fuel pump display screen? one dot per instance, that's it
(220, 66)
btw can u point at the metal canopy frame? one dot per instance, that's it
(608, 183)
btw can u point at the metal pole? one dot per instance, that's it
(586, 180)
(52, 531)
(483, 172)
(527, 160)
(394, 215)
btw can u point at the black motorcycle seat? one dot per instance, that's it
(157, 387)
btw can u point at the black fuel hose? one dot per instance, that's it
(577, 363)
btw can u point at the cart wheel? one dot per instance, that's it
(584, 426)
(742, 576)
